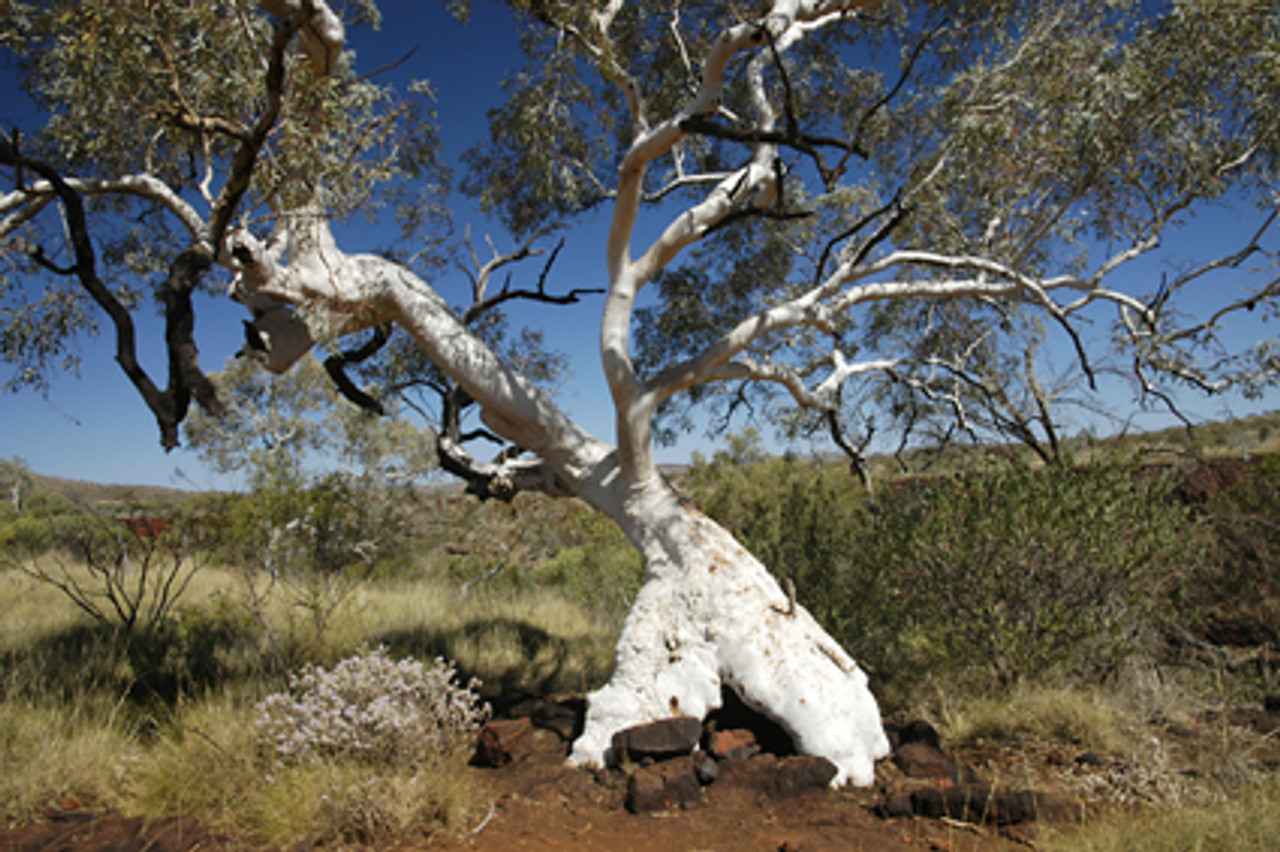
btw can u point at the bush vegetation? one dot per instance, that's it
(1005, 603)
(1003, 576)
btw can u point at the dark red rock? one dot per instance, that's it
(705, 768)
(980, 803)
(738, 742)
(919, 731)
(897, 805)
(503, 742)
(661, 786)
(920, 760)
(564, 717)
(658, 740)
(89, 831)
(778, 778)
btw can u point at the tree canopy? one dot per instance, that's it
(938, 187)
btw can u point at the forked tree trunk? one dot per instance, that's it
(710, 615)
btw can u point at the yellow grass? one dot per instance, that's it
(198, 758)
(1244, 823)
(32, 610)
(1084, 718)
(51, 754)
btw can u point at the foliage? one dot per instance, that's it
(281, 429)
(15, 483)
(312, 544)
(1031, 572)
(1246, 521)
(173, 93)
(541, 542)
(370, 709)
(1012, 573)
(330, 527)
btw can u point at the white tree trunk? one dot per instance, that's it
(710, 615)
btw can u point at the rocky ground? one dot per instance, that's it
(730, 784)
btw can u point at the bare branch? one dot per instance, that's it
(29, 200)
(335, 365)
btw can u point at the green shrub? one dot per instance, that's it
(1027, 572)
(1002, 576)
(123, 580)
(329, 527)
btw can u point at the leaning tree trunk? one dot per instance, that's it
(708, 616)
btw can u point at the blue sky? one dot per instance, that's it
(96, 428)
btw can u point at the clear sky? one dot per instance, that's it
(96, 428)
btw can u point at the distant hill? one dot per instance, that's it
(1258, 434)
(98, 495)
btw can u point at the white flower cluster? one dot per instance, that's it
(370, 708)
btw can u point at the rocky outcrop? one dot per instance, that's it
(670, 764)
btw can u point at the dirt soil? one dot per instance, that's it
(539, 803)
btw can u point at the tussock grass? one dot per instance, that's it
(48, 754)
(206, 765)
(1084, 718)
(202, 764)
(1245, 823)
(531, 640)
(73, 722)
(32, 610)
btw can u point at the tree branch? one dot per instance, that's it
(335, 365)
(185, 376)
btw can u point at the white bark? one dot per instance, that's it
(709, 615)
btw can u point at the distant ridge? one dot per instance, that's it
(1257, 433)
(94, 494)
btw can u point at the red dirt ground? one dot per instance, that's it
(541, 804)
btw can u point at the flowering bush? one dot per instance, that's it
(372, 709)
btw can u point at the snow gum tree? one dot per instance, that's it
(831, 210)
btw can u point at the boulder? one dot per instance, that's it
(738, 742)
(777, 778)
(503, 742)
(661, 786)
(979, 803)
(919, 731)
(921, 760)
(657, 740)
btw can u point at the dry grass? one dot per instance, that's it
(32, 611)
(1244, 823)
(198, 757)
(48, 755)
(1037, 714)
(534, 640)
(206, 765)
